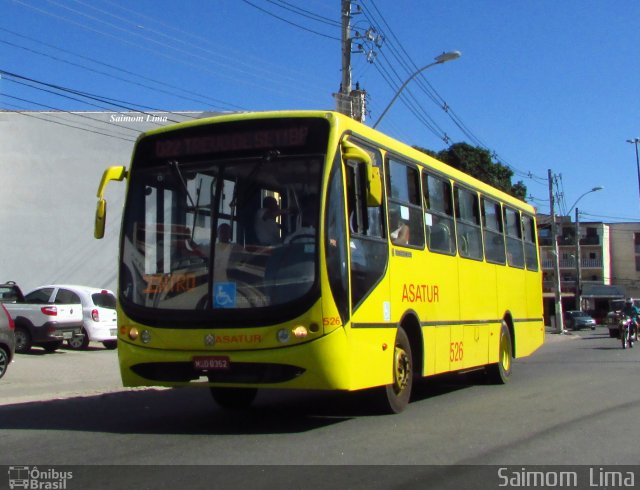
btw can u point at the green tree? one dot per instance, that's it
(478, 163)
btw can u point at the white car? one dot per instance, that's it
(99, 316)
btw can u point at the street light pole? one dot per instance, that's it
(636, 141)
(578, 265)
(578, 259)
(444, 57)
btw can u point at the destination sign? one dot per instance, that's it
(232, 141)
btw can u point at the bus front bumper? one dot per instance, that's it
(318, 364)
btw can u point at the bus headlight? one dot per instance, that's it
(134, 333)
(300, 332)
(145, 336)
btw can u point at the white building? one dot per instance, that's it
(50, 167)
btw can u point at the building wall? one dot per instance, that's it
(51, 165)
(624, 257)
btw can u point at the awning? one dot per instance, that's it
(602, 291)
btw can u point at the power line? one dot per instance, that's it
(290, 22)
(34, 116)
(305, 13)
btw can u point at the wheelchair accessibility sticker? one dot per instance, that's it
(224, 295)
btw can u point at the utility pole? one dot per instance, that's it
(344, 97)
(556, 260)
(578, 265)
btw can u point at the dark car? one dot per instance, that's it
(575, 320)
(7, 339)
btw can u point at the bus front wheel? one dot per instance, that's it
(398, 393)
(234, 398)
(500, 372)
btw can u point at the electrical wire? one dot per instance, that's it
(290, 22)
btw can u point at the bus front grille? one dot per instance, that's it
(240, 372)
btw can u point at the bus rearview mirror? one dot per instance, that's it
(112, 173)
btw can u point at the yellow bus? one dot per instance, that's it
(305, 250)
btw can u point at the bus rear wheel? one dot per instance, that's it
(398, 393)
(500, 372)
(234, 398)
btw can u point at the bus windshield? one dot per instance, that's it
(224, 217)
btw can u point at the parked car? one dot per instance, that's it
(99, 317)
(7, 339)
(39, 321)
(575, 320)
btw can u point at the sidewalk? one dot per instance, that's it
(552, 335)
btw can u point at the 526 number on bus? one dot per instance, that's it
(456, 351)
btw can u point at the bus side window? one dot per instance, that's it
(438, 214)
(493, 231)
(530, 249)
(515, 253)
(468, 224)
(405, 209)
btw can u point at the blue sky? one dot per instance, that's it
(543, 84)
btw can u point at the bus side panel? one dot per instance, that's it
(428, 286)
(519, 294)
(371, 340)
(370, 357)
(442, 345)
(531, 334)
(478, 304)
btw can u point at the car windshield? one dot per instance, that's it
(579, 314)
(210, 229)
(104, 300)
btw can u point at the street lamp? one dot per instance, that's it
(444, 57)
(578, 260)
(636, 141)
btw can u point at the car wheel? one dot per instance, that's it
(79, 342)
(110, 344)
(4, 361)
(23, 341)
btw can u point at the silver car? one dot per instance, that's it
(7, 339)
(575, 320)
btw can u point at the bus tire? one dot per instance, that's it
(500, 372)
(234, 398)
(398, 393)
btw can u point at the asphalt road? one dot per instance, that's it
(574, 402)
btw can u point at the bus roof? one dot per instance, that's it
(345, 124)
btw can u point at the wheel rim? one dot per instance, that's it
(505, 356)
(21, 340)
(4, 362)
(402, 371)
(76, 342)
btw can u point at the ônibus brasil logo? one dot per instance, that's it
(33, 478)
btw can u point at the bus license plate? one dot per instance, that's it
(212, 363)
(67, 335)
